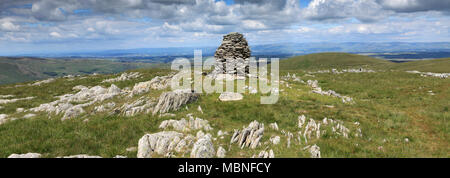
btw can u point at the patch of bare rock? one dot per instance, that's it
(249, 136)
(141, 105)
(123, 77)
(157, 83)
(431, 74)
(7, 101)
(335, 71)
(230, 96)
(184, 125)
(86, 96)
(173, 100)
(27, 155)
(162, 143)
(265, 154)
(317, 89)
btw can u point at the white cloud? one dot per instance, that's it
(253, 25)
(55, 35)
(8, 26)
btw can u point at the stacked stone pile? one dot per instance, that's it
(235, 52)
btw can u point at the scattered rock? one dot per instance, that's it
(203, 148)
(19, 110)
(315, 151)
(157, 83)
(200, 109)
(6, 101)
(39, 83)
(86, 96)
(265, 154)
(105, 107)
(123, 77)
(3, 118)
(316, 89)
(184, 125)
(6, 96)
(131, 149)
(174, 100)
(30, 115)
(275, 140)
(141, 105)
(274, 126)
(221, 152)
(230, 96)
(160, 143)
(431, 74)
(120, 156)
(27, 155)
(81, 156)
(250, 136)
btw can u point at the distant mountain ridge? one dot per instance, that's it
(284, 49)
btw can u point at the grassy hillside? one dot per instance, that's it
(434, 65)
(330, 60)
(390, 106)
(15, 70)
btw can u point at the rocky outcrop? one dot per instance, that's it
(336, 71)
(316, 89)
(86, 96)
(81, 156)
(184, 125)
(27, 155)
(105, 107)
(174, 100)
(275, 140)
(230, 96)
(431, 74)
(6, 101)
(162, 143)
(274, 126)
(221, 152)
(265, 154)
(123, 77)
(233, 52)
(157, 83)
(250, 136)
(313, 150)
(3, 118)
(142, 105)
(203, 148)
(39, 83)
(315, 129)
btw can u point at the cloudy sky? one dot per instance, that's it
(42, 26)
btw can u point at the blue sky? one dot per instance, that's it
(53, 26)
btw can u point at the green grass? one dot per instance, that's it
(329, 61)
(14, 70)
(390, 105)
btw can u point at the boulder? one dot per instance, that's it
(203, 148)
(230, 96)
(160, 143)
(174, 100)
(27, 155)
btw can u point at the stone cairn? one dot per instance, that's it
(233, 52)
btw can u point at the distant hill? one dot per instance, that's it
(14, 70)
(433, 65)
(330, 60)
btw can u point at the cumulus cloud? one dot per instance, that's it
(186, 22)
(363, 10)
(8, 26)
(415, 5)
